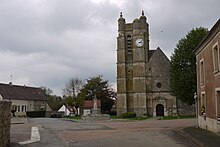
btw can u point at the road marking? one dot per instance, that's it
(35, 136)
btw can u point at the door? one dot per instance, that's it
(159, 110)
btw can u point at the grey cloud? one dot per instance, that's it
(44, 42)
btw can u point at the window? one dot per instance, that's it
(22, 108)
(159, 85)
(215, 53)
(203, 103)
(202, 75)
(18, 108)
(129, 48)
(218, 103)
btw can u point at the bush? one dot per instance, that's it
(36, 113)
(112, 113)
(129, 115)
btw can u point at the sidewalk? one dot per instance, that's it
(18, 120)
(202, 137)
(20, 131)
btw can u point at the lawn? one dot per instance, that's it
(74, 117)
(129, 118)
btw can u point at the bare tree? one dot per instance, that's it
(72, 87)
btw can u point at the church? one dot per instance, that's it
(143, 75)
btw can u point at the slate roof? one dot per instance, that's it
(17, 92)
(150, 53)
(213, 31)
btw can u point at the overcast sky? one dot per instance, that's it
(46, 42)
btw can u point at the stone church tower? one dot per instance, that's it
(143, 75)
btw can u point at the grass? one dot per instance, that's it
(74, 117)
(129, 118)
(177, 117)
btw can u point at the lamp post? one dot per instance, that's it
(195, 98)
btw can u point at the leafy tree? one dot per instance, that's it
(47, 91)
(55, 102)
(183, 65)
(99, 88)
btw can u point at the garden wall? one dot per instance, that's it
(5, 123)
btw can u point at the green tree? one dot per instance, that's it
(47, 91)
(183, 65)
(99, 88)
(55, 102)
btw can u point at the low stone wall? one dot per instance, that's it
(184, 109)
(95, 117)
(5, 123)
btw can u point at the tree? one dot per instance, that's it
(71, 90)
(55, 102)
(47, 91)
(99, 88)
(183, 66)
(72, 87)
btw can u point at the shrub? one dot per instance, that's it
(129, 115)
(112, 113)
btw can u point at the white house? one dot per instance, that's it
(65, 110)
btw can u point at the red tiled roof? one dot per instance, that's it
(16, 92)
(90, 104)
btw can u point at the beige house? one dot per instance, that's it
(208, 80)
(23, 98)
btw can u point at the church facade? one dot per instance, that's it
(143, 75)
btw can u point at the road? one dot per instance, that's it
(61, 133)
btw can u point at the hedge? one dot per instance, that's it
(36, 113)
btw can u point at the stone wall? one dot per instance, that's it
(184, 109)
(5, 122)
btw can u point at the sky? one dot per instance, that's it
(47, 42)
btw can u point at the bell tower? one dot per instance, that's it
(132, 62)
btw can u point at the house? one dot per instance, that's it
(23, 98)
(208, 80)
(67, 111)
(88, 106)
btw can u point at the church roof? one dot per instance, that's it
(17, 92)
(151, 52)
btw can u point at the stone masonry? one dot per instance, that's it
(5, 122)
(143, 75)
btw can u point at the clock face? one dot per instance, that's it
(139, 42)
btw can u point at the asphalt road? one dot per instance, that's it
(61, 133)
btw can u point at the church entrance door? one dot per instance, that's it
(159, 110)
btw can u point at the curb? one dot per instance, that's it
(193, 140)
